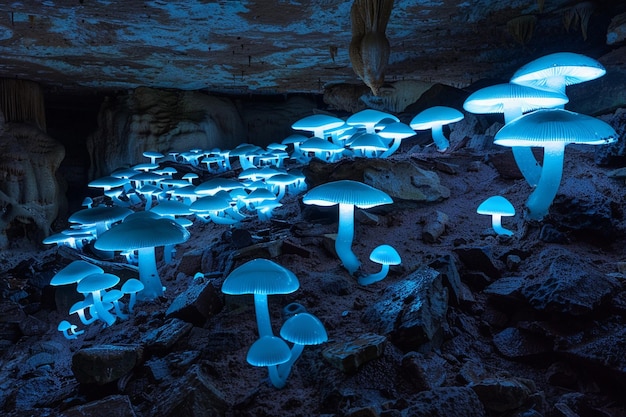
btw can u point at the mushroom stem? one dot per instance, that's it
(345, 235)
(262, 315)
(539, 201)
(372, 278)
(148, 274)
(527, 164)
(496, 224)
(102, 313)
(395, 144)
(439, 139)
(284, 369)
(278, 381)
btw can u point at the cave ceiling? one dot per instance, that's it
(275, 46)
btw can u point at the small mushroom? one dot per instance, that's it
(434, 118)
(384, 255)
(497, 206)
(69, 330)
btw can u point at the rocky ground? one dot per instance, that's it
(470, 324)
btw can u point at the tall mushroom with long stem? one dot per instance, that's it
(346, 194)
(552, 129)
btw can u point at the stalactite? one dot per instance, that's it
(540, 4)
(369, 48)
(578, 16)
(521, 28)
(22, 101)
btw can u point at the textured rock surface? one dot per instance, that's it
(30, 194)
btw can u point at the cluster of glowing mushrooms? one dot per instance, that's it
(151, 204)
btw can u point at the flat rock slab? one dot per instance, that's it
(105, 363)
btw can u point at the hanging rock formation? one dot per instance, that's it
(369, 47)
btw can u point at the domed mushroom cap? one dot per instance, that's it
(171, 208)
(142, 232)
(304, 329)
(74, 273)
(109, 182)
(496, 98)
(260, 276)
(97, 282)
(346, 192)
(545, 126)
(210, 203)
(396, 130)
(435, 116)
(132, 285)
(571, 68)
(496, 205)
(368, 141)
(99, 214)
(369, 117)
(385, 255)
(214, 185)
(317, 122)
(268, 351)
(316, 144)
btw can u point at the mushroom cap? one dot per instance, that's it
(294, 138)
(385, 255)
(153, 154)
(210, 203)
(304, 329)
(573, 68)
(97, 282)
(112, 296)
(260, 194)
(495, 98)
(268, 351)
(546, 126)
(260, 276)
(217, 184)
(396, 130)
(99, 214)
(64, 325)
(109, 181)
(369, 117)
(435, 116)
(132, 285)
(81, 305)
(368, 141)
(171, 208)
(317, 121)
(346, 192)
(75, 272)
(318, 144)
(142, 232)
(496, 205)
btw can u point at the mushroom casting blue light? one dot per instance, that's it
(552, 129)
(346, 194)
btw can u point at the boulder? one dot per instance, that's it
(105, 363)
(412, 311)
(446, 402)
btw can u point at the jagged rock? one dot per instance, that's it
(616, 31)
(561, 374)
(105, 363)
(503, 394)
(425, 372)
(574, 404)
(402, 180)
(516, 343)
(506, 291)
(30, 195)
(478, 259)
(394, 97)
(149, 119)
(605, 94)
(604, 353)
(405, 181)
(199, 302)
(174, 363)
(191, 262)
(162, 339)
(569, 285)
(446, 402)
(195, 394)
(111, 406)
(412, 311)
(590, 221)
(271, 122)
(34, 393)
(350, 355)
(613, 155)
